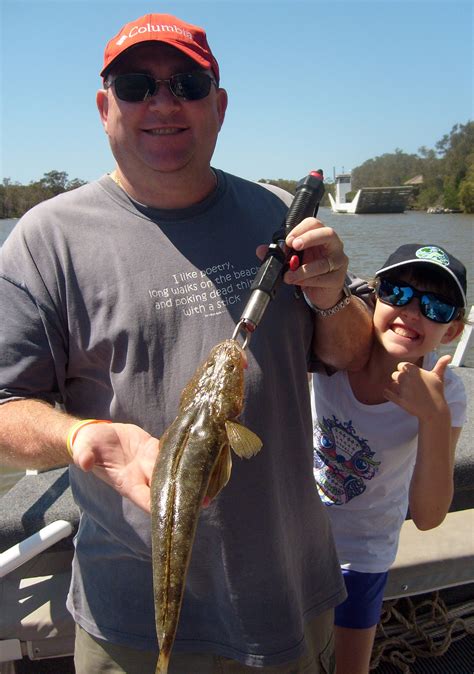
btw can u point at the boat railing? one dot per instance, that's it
(464, 343)
(30, 547)
(39, 518)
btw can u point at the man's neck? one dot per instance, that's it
(166, 191)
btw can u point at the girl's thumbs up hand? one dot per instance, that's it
(419, 392)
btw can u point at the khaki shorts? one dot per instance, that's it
(95, 656)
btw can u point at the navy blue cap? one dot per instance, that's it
(418, 253)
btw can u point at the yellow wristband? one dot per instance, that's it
(73, 431)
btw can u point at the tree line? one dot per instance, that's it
(446, 173)
(16, 199)
(447, 177)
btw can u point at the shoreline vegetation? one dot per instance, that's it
(442, 178)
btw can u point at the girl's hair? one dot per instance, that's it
(426, 277)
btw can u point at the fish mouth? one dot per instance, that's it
(231, 347)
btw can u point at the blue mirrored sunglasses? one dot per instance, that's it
(432, 306)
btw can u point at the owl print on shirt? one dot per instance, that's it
(343, 462)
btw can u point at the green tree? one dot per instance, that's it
(450, 193)
(55, 181)
(466, 187)
(16, 199)
(387, 170)
(429, 196)
(466, 195)
(456, 149)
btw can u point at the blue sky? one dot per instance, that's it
(311, 83)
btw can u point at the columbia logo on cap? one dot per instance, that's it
(150, 28)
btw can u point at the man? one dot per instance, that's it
(111, 295)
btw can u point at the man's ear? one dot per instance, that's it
(454, 330)
(222, 101)
(102, 101)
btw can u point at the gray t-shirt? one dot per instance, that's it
(107, 308)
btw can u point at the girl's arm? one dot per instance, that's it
(431, 486)
(421, 393)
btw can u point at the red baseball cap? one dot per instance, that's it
(189, 39)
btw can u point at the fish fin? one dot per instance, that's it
(220, 473)
(243, 441)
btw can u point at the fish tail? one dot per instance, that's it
(163, 662)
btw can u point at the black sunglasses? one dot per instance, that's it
(136, 87)
(432, 306)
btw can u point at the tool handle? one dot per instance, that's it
(309, 192)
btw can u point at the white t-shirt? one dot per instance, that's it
(363, 462)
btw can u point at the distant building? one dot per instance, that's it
(416, 184)
(393, 199)
(416, 181)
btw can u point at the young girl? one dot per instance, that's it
(385, 436)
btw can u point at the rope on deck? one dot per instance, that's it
(407, 630)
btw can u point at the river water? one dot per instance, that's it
(368, 241)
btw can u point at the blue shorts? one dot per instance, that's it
(363, 605)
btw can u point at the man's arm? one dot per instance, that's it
(341, 340)
(34, 434)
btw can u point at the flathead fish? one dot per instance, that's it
(194, 463)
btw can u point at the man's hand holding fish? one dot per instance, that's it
(122, 455)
